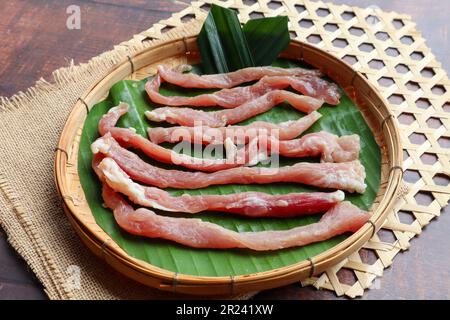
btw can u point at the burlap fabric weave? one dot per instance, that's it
(31, 212)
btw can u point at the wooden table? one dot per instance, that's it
(35, 41)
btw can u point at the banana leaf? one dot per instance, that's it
(222, 44)
(341, 120)
(266, 38)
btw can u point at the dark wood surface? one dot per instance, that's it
(35, 41)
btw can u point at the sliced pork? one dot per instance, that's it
(230, 98)
(130, 138)
(329, 147)
(238, 134)
(251, 204)
(226, 80)
(347, 176)
(190, 117)
(341, 218)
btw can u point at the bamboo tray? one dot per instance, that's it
(373, 107)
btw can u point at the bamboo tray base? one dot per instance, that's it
(364, 30)
(183, 50)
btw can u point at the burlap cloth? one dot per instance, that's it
(30, 209)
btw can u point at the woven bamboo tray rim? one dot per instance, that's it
(380, 121)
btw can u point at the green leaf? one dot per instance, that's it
(266, 38)
(225, 46)
(222, 43)
(341, 120)
(125, 91)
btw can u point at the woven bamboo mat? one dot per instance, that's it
(384, 46)
(391, 53)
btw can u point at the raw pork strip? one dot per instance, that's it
(196, 233)
(347, 176)
(226, 80)
(250, 204)
(128, 137)
(330, 147)
(238, 134)
(190, 117)
(109, 120)
(230, 98)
